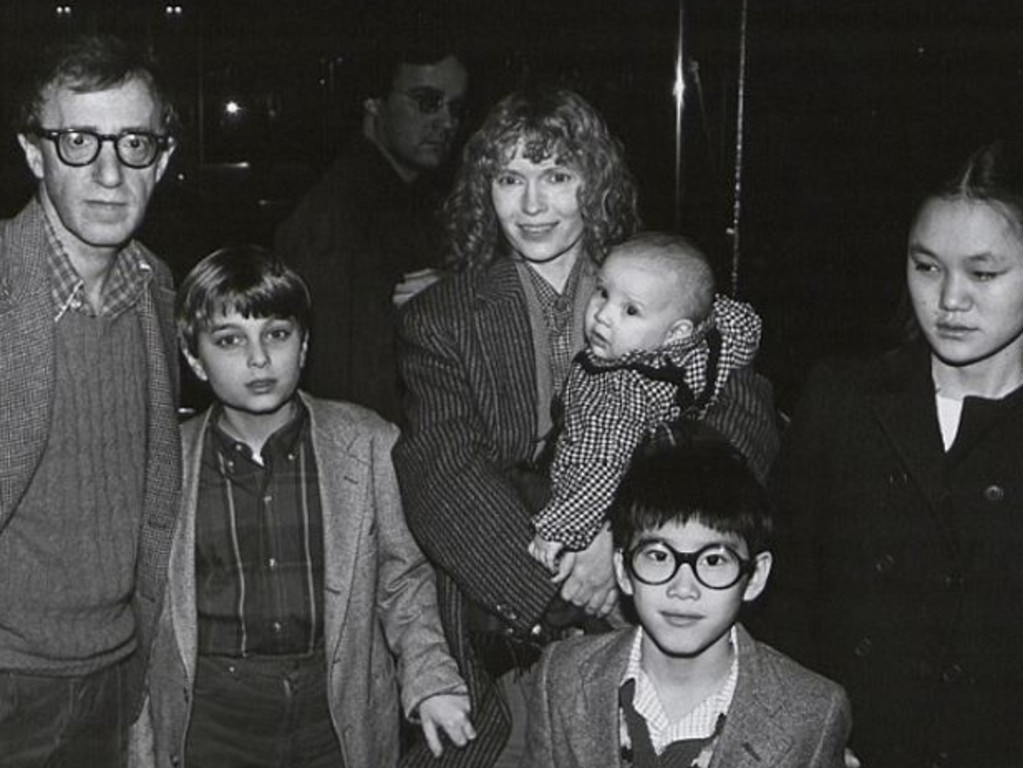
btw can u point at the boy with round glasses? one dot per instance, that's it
(688, 686)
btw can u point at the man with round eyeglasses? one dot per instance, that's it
(366, 236)
(89, 461)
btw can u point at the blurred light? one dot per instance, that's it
(232, 108)
(173, 10)
(63, 10)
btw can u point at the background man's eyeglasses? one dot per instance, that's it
(77, 147)
(715, 566)
(430, 101)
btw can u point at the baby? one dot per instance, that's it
(660, 347)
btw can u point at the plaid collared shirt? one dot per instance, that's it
(558, 312)
(124, 286)
(259, 544)
(700, 723)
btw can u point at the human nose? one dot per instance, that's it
(684, 583)
(107, 168)
(533, 198)
(954, 294)
(258, 356)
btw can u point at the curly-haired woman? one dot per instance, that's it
(543, 192)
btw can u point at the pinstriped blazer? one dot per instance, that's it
(782, 715)
(468, 362)
(27, 365)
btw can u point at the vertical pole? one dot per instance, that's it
(679, 94)
(739, 119)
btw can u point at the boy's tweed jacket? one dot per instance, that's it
(782, 715)
(381, 628)
(27, 360)
(468, 361)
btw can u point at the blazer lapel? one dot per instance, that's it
(181, 588)
(904, 405)
(595, 705)
(752, 714)
(504, 340)
(27, 354)
(343, 486)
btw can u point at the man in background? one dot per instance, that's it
(366, 237)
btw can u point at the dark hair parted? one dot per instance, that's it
(87, 63)
(246, 279)
(552, 123)
(992, 174)
(691, 472)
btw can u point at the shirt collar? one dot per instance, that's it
(128, 278)
(281, 443)
(701, 721)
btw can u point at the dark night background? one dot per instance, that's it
(851, 108)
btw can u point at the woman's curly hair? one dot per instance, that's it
(554, 123)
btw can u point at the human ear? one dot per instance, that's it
(621, 575)
(680, 330)
(758, 579)
(196, 365)
(33, 155)
(304, 351)
(164, 158)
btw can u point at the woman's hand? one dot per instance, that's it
(591, 583)
(447, 712)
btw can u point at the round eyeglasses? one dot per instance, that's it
(78, 147)
(716, 566)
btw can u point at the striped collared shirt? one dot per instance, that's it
(698, 724)
(127, 280)
(259, 544)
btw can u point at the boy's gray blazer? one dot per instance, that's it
(381, 628)
(782, 715)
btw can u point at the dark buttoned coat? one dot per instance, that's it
(899, 568)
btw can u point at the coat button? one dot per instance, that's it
(175, 760)
(864, 647)
(994, 493)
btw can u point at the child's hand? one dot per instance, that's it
(546, 553)
(447, 712)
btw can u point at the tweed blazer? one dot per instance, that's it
(381, 629)
(27, 360)
(897, 565)
(782, 715)
(468, 361)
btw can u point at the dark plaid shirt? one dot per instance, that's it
(259, 544)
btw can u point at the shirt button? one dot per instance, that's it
(272, 563)
(291, 457)
(268, 498)
(276, 626)
(994, 493)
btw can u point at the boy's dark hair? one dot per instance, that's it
(247, 279)
(691, 472)
(86, 63)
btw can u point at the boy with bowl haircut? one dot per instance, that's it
(298, 604)
(688, 686)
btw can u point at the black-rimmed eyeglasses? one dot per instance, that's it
(78, 147)
(430, 101)
(716, 566)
